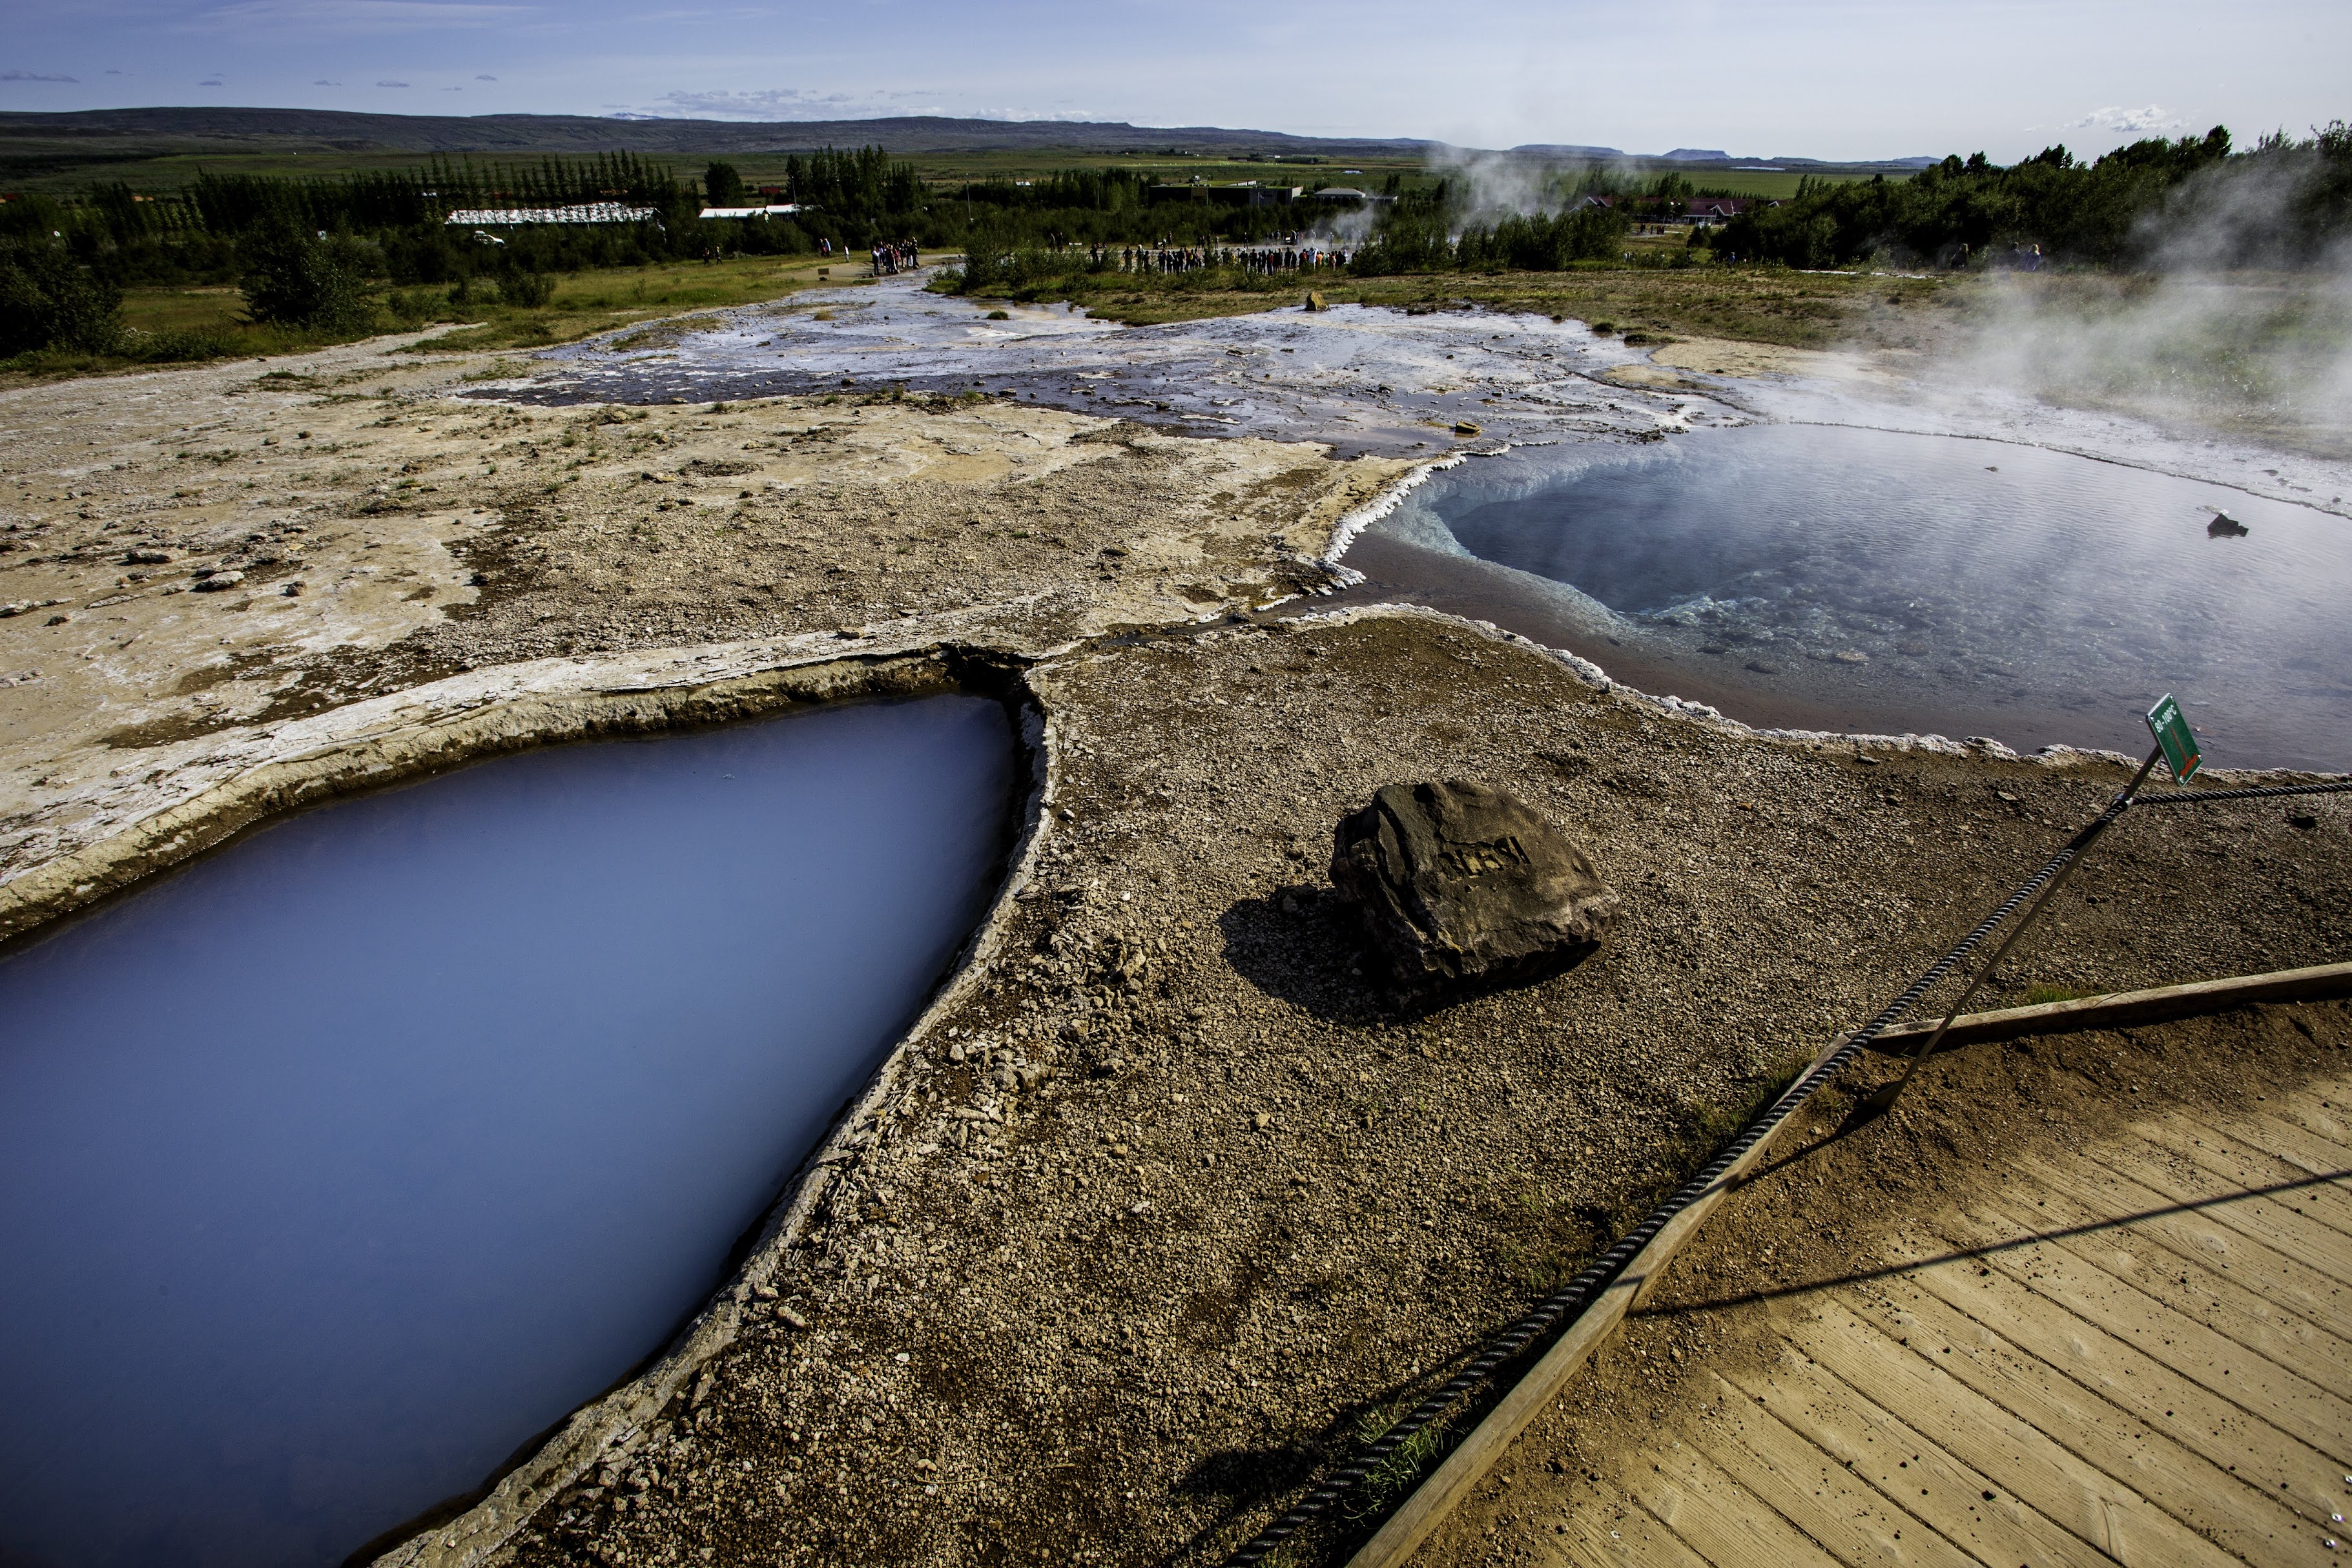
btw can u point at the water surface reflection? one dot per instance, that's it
(342, 1163)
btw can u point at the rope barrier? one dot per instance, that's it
(1579, 1291)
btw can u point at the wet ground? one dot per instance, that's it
(1358, 379)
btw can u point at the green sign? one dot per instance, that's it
(2166, 722)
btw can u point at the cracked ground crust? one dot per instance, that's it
(1177, 1202)
(428, 534)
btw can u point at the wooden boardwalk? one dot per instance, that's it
(2137, 1354)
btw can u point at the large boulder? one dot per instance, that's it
(1459, 884)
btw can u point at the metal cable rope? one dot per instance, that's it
(1579, 1291)
(2207, 796)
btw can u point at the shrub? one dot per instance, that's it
(293, 279)
(46, 300)
(525, 288)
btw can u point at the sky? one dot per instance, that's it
(1820, 78)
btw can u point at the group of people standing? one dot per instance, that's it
(892, 258)
(1163, 258)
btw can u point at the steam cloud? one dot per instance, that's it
(2232, 325)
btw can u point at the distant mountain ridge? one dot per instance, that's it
(120, 131)
(513, 134)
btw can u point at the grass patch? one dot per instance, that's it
(1400, 1470)
(190, 325)
(586, 303)
(1760, 304)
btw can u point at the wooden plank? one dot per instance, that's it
(2018, 1460)
(2206, 1356)
(2193, 1237)
(1854, 1521)
(1443, 1489)
(2284, 1338)
(2121, 1009)
(1883, 1452)
(1717, 1516)
(2298, 1236)
(2272, 1175)
(2307, 1176)
(1607, 1529)
(2216, 1468)
(2320, 1110)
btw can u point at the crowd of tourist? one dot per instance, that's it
(1165, 257)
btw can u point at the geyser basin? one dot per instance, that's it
(341, 1163)
(1916, 583)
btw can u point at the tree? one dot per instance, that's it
(47, 301)
(724, 186)
(296, 281)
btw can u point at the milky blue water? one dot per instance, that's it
(1928, 582)
(340, 1163)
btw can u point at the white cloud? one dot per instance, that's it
(798, 103)
(2131, 121)
(768, 103)
(357, 15)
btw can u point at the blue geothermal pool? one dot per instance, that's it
(341, 1163)
(1924, 582)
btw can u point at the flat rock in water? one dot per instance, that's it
(1459, 883)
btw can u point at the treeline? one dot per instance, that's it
(2156, 202)
(309, 253)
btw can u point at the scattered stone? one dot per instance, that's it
(217, 582)
(1457, 882)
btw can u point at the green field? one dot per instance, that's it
(203, 323)
(62, 169)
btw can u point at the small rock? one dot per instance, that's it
(2303, 822)
(216, 582)
(146, 557)
(790, 1318)
(1852, 656)
(56, 620)
(1261, 1122)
